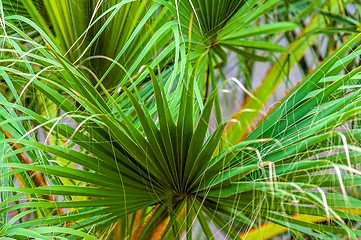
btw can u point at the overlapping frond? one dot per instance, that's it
(146, 159)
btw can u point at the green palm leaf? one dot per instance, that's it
(143, 156)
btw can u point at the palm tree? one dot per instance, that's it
(113, 125)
